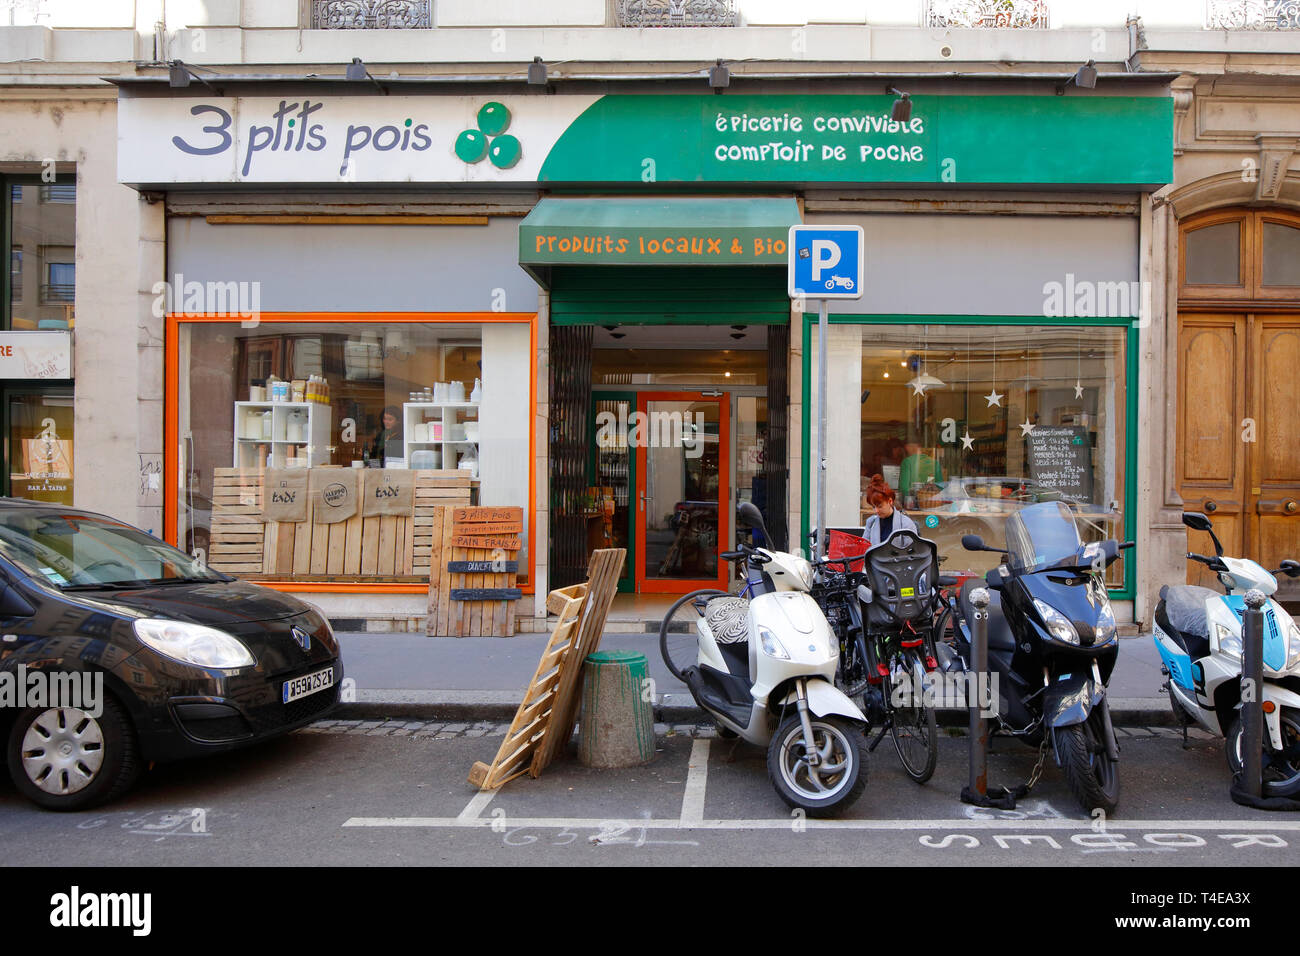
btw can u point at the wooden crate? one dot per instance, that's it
(383, 546)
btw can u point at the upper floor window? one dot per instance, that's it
(39, 287)
(1241, 254)
(994, 14)
(1252, 15)
(371, 14)
(676, 13)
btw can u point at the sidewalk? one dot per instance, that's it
(483, 678)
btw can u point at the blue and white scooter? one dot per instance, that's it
(1199, 635)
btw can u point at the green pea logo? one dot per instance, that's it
(490, 139)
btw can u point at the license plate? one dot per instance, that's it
(307, 684)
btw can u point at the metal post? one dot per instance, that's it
(1252, 692)
(979, 728)
(821, 429)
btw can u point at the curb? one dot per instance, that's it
(500, 707)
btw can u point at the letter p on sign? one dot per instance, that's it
(825, 255)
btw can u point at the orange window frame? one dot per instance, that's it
(171, 421)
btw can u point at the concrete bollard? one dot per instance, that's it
(616, 726)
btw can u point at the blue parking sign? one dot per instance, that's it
(826, 262)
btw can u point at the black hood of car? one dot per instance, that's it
(219, 604)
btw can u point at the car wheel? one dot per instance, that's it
(63, 758)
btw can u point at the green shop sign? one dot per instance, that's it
(963, 140)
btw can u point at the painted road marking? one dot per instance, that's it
(697, 777)
(477, 804)
(958, 824)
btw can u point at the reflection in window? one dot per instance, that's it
(1214, 255)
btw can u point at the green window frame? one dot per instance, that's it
(810, 319)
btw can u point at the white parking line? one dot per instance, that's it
(955, 825)
(697, 777)
(477, 804)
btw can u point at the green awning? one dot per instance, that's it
(739, 231)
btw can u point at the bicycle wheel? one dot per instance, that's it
(678, 637)
(914, 727)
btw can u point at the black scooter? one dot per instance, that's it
(1052, 645)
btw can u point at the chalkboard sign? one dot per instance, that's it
(1060, 457)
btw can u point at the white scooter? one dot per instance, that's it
(762, 665)
(1198, 633)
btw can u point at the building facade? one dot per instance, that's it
(546, 249)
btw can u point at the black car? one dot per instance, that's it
(117, 650)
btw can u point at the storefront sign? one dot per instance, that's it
(785, 139)
(35, 355)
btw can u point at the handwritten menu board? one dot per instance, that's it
(1060, 457)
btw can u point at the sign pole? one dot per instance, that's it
(821, 429)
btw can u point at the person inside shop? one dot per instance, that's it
(387, 442)
(918, 468)
(887, 518)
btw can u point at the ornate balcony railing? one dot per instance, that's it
(1252, 15)
(371, 14)
(999, 14)
(676, 13)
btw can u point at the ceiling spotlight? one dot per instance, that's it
(737, 335)
(902, 109)
(617, 335)
(1085, 78)
(357, 73)
(609, 328)
(740, 328)
(719, 77)
(537, 72)
(180, 75)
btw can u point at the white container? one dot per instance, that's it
(420, 432)
(440, 392)
(456, 392)
(476, 396)
(471, 431)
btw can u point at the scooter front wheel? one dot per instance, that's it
(840, 773)
(1092, 776)
(678, 638)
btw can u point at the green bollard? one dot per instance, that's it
(616, 726)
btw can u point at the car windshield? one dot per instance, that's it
(1042, 535)
(82, 551)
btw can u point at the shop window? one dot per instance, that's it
(968, 424)
(443, 408)
(41, 283)
(39, 441)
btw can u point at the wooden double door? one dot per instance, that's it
(1239, 437)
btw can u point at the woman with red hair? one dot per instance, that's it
(888, 517)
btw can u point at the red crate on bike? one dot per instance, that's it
(841, 544)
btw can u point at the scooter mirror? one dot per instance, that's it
(748, 515)
(1290, 568)
(1196, 521)
(972, 542)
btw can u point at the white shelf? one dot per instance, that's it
(249, 417)
(445, 416)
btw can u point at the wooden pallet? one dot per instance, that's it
(448, 618)
(603, 569)
(380, 546)
(529, 730)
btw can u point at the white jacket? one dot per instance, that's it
(901, 523)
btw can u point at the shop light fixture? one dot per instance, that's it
(180, 75)
(1085, 78)
(537, 72)
(902, 109)
(719, 77)
(357, 73)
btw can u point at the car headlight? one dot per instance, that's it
(1229, 642)
(1105, 630)
(1058, 625)
(193, 643)
(771, 646)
